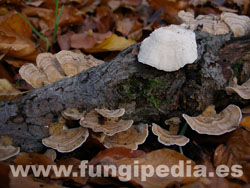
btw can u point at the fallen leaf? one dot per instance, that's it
(104, 19)
(116, 153)
(70, 16)
(32, 159)
(87, 40)
(4, 175)
(126, 26)
(223, 156)
(7, 89)
(215, 181)
(29, 182)
(171, 8)
(239, 144)
(15, 36)
(245, 122)
(67, 162)
(159, 157)
(64, 40)
(113, 43)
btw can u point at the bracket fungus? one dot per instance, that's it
(51, 68)
(217, 25)
(48, 64)
(211, 123)
(111, 113)
(109, 125)
(33, 76)
(72, 114)
(210, 23)
(6, 149)
(50, 153)
(66, 140)
(168, 139)
(242, 90)
(173, 123)
(169, 48)
(131, 138)
(240, 25)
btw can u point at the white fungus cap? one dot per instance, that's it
(169, 48)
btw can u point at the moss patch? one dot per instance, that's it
(150, 90)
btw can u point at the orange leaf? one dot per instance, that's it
(113, 43)
(245, 122)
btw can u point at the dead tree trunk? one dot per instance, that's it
(147, 93)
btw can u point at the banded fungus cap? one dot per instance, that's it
(109, 126)
(169, 48)
(72, 114)
(168, 139)
(111, 113)
(239, 24)
(6, 149)
(131, 138)
(242, 90)
(211, 123)
(66, 140)
(173, 123)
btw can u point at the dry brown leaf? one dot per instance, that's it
(245, 122)
(126, 26)
(87, 40)
(47, 15)
(113, 43)
(4, 175)
(223, 156)
(14, 37)
(6, 89)
(71, 161)
(70, 16)
(239, 144)
(159, 157)
(29, 182)
(104, 19)
(171, 8)
(33, 159)
(214, 182)
(116, 153)
(64, 40)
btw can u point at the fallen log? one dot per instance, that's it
(148, 94)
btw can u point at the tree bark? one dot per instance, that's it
(149, 95)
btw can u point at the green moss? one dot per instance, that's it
(237, 67)
(145, 88)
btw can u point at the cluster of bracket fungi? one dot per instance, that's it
(51, 68)
(106, 125)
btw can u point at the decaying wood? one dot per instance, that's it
(149, 95)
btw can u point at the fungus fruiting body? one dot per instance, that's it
(169, 48)
(211, 123)
(168, 139)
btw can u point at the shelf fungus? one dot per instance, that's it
(50, 153)
(239, 24)
(106, 121)
(33, 76)
(169, 48)
(174, 124)
(167, 138)
(131, 138)
(72, 114)
(242, 90)
(66, 140)
(48, 63)
(211, 123)
(51, 68)
(208, 23)
(6, 149)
